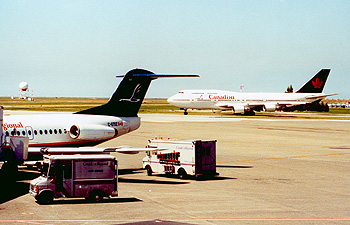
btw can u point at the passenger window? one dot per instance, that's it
(23, 133)
(35, 132)
(55, 131)
(29, 132)
(60, 131)
(50, 131)
(18, 133)
(7, 133)
(41, 132)
(45, 131)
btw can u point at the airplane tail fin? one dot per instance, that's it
(316, 83)
(127, 99)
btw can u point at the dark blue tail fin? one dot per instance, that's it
(127, 99)
(316, 83)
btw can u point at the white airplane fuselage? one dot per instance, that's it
(50, 130)
(240, 102)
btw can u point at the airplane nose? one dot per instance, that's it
(171, 99)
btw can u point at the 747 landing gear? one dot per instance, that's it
(185, 111)
(249, 113)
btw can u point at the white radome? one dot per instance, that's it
(23, 86)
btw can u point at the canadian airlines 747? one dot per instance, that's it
(250, 102)
(88, 127)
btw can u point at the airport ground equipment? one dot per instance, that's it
(196, 157)
(70, 176)
(13, 151)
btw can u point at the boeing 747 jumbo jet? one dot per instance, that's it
(249, 102)
(65, 132)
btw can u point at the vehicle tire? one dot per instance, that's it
(45, 197)
(96, 196)
(181, 173)
(149, 170)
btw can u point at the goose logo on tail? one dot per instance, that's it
(133, 98)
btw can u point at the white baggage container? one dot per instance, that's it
(181, 157)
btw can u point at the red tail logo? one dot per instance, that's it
(317, 83)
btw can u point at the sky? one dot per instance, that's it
(76, 48)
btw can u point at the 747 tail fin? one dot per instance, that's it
(316, 83)
(127, 99)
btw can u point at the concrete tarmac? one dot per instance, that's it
(271, 171)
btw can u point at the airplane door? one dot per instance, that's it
(192, 101)
(29, 132)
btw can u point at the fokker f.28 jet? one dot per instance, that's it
(249, 102)
(63, 133)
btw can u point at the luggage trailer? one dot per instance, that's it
(183, 158)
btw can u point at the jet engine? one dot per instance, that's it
(270, 107)
(92, 132)
(239, 109)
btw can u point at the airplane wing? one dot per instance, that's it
(131, 150)
(319, 96)
(274, 105)
(230, 105)
(156, 76)
(237, 107)
(89, 150)
(241, 108)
